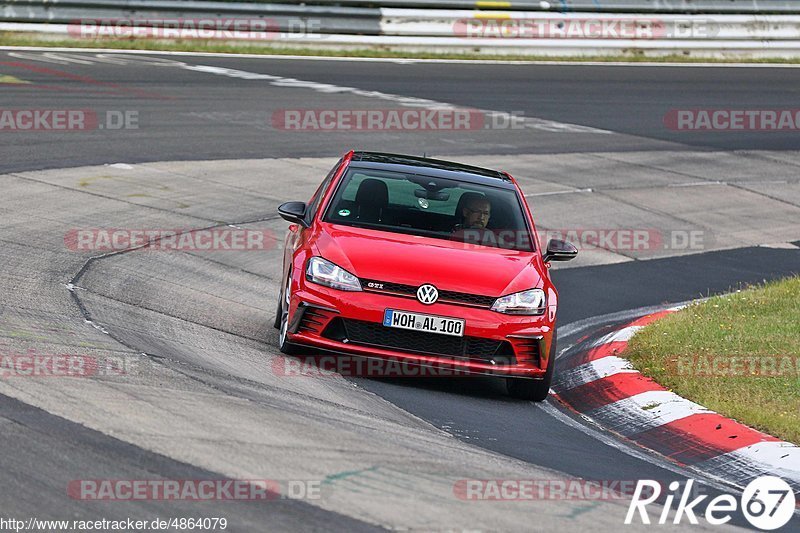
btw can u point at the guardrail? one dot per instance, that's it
(277, 17)
(537, 25)
(533, 32)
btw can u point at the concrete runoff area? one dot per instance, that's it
(195, 327)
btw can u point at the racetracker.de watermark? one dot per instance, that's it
(240, 29)
(546, 489)
(166, 240)
(33, 364)
(610, 27)
(735, 366)
(719, 119)
(353, 366)
(203, 523)
(641, 240)
(65, 120)
(193, 489)
(395, 119)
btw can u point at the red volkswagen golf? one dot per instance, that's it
(428, 262)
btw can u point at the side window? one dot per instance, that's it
(313, 204)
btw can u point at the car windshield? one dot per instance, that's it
(429, 206)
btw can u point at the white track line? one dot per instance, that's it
(551, 126)
(578, 327)
(533, 123)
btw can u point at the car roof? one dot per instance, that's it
(431, 167)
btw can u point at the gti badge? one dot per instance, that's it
(427, 294)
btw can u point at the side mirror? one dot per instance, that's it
(559, 251)
(294, 212)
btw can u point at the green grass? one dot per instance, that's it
(744, 332)
(17, 39)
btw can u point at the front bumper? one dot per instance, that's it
(351, 323)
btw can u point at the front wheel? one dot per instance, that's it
(282, 319)
(534, 390)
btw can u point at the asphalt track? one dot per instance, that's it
(192, 115)
(188, 115)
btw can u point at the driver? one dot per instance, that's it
(475, 213)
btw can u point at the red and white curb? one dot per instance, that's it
(605, 388)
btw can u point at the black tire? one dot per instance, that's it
(534, 390)
(282, 320)
(278, 313)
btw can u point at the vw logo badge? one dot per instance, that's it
(427, 294)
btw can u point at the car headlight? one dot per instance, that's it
(531, 302)
(323, 272)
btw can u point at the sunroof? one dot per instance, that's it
(399, 159)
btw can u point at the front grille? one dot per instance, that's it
(410, 291)
(375, 334)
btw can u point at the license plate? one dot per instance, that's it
(419, 322)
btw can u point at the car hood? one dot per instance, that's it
(415, 260)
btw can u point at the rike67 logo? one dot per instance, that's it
(768, 503)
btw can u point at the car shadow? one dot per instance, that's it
(484, 387)
(362, 371)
